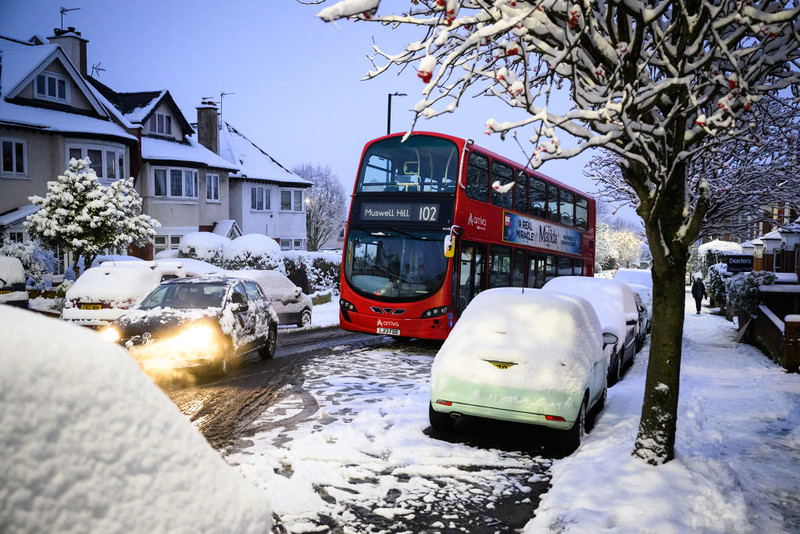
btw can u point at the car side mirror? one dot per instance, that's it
(238, 303)
(609, 339)
(297, 291)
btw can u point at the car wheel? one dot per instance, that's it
(305, 319)
(439, 421)
(572, 438)
(267, 351)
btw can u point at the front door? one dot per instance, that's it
(471, 274)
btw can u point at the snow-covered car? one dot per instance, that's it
(615, 305)
(529, 356)
(642, 277)
(643, 324)
(646, 295)
(101, 294)
(12, 282)
(191, 322)
(290, 303)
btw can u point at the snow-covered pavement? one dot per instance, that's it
(737, 450)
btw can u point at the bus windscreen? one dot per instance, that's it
(395, 264)
(421, 163)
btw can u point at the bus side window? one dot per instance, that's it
(582, 213)
(564, 266)
(478, 177)
(550, 268)
(502, 185)
(499, 266)
(538, 198)
(566, 208)
(552, 202)
(536, 270)
(522, 192)
(577, 267)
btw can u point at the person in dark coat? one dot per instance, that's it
(300, 278)
(698, 292)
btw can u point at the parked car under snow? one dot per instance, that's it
(532, 356)
(191, 322)
(12, 282)
(615, 305)
(290, 303)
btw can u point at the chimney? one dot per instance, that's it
(73, 45)
(208, 126)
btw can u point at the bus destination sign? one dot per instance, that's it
(400, 211)
(535, 233)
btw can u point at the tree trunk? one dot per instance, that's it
(656, 438)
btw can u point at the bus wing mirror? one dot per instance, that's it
(449, 246)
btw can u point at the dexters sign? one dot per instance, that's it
(534, 233)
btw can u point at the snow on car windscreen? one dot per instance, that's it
(395, 264)
(421, 164)
(185, 296)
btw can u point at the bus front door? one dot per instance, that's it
(472, 273)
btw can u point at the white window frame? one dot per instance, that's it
(160, 123)
(102, 168)
(296, 203)
(298, 244)
(168, 242)
(14, 173)
(177, 175)
(212, 187)
(286, 244)
(265, 198)
(56, 78)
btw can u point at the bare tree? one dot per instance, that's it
(659, 83)
(326, 203)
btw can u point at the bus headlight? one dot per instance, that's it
(435, 312)
(349, 306)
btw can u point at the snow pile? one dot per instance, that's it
(11, 271)
(203, 246)
(92, 445)
(737, 450)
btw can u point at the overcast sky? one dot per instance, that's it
(295, 81)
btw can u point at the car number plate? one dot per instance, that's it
(4, 291)
(389, 331)
(91, 306)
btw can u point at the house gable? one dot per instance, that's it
(165, 108)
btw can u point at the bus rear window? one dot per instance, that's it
(420, 164)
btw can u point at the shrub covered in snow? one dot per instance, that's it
(715, 281)
(36, 260)
(742, 289)
(203, 246)
(323, 268)
(252, 251)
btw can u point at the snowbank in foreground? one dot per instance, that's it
(737, 450)
(90, 444)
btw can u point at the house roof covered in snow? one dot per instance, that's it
(254, 163)
(166, 151)
(20, 63)
(137, 107)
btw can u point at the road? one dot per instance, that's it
(327, 378)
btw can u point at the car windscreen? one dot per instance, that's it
(185, 296)
(395, 264)
(420, 164)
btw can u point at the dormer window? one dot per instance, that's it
(52, 87)
(161, 124)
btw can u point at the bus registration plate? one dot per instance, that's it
(389, 331)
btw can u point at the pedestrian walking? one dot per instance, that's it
(698, 292)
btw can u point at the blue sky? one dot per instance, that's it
(296, 81)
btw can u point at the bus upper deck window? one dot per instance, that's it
(581, 213)
(538, 198)
(566, 207)
(502, 185)
(478, 177)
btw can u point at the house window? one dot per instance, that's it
(108, 162)
(286, 244)
(166, 242)
(259, 198)
(212, 187)
(13, 156)
(161, 124)
(53, 87)
(291, 200)
(16, 237)
(298, 244)
(175, 183)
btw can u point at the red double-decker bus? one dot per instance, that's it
(435, 219)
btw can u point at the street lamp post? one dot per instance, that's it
(389, 112)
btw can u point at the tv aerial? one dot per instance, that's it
(64, 11)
